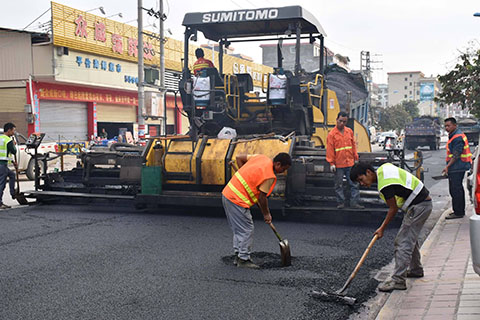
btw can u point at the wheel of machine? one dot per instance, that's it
(30, 172)
(433, 146)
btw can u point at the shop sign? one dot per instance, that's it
(98, 64)
(61, 92)
(86, 32)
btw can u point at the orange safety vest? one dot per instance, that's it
(466, 155)
(242, 189)
(341, 148)
(201, 64)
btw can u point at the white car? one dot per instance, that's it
(474, 182)
(25, 161)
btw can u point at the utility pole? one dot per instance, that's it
(162, 65)
(141, 89)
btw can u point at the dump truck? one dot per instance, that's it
(471, 128)
(294, 114)
(423, 131)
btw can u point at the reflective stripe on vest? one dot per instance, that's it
(466, 155)
(239, 194)
(388, 174)
(343, 148)
(4, 140)
(246, 186)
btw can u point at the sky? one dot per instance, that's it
(402, 35)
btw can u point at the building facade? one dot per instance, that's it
(403, 86)
(383, 95)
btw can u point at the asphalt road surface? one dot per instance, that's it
(109, 261)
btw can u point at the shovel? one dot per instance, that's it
(284, 248)
(339, 295)
(18, 195)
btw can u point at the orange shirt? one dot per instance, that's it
(200, 64)
(341, 148)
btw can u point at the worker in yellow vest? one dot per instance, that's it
(459, 160)
(252, 184)
(7, 148)
(400, 190)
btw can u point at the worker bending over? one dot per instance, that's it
(252, 184)
(342, 154)
(400, 190)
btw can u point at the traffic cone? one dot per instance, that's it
(388, 144)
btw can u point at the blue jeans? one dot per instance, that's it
(355, 194)
(4, 173)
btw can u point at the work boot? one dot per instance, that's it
(13, 196)
(390, 285)
(357, 206)
(453, 216)
(415, 274)
(247, 264)
(4, 206)
(341, 206)
(235, 260)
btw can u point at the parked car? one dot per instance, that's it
(474, 186)
(26, 163)
(383, 135)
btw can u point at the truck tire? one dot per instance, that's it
(30, 172)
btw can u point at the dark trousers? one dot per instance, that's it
(4, 173)
(455, 186)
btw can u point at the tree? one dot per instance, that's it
(394, 118)
(462, 84)
(411, 106)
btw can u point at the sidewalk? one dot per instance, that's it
(450, 288)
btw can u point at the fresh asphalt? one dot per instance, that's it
(109, 261)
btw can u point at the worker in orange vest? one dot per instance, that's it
(201, 62)
(459, 160)
(342, 155)
(252, 184)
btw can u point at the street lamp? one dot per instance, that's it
(99, 8)
(116, 14)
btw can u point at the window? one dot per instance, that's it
(405, 87)
(410, 91)
(410, 84)
(418, 92)
(405, 96)
(410, 75)
(406, 79)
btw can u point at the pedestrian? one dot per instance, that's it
(201, 62)
(342, 155)
(103, 134)
(252, 184)
(400, 190)
(7, 148)
(459, 160)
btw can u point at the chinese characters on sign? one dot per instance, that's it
(100, 32)
(117, 39)
(97, 64)
(79, 95)
(81, 29)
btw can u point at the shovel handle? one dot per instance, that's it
(233, 165)
(275, 231)
(359, 264)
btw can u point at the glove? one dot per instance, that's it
(333, 168)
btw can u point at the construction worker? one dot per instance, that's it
(252, 184)
(7, 148)
(201, 62)
(400, 190)
(459, 160)
(342, 154)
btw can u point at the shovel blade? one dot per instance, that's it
(285, 253)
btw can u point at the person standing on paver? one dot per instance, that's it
(252, 184)
(400, 190)
(459, 160)
(7, 148)
(342, 155)
(201, 63)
